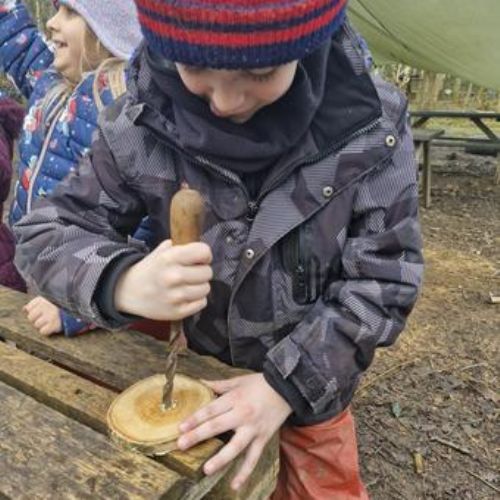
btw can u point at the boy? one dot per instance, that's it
(311, 252)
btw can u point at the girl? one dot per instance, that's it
(11, 118)
(66, 86)
(311, 253)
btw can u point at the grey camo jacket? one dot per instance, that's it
(324, 272)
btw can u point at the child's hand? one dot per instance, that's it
(44, 316)
(251, 408)
(171, 283)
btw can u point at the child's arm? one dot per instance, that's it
(319, 364)
(70, 241)
(49, 319)
(66, 243)
(24, 54)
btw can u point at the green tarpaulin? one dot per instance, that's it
(458, 37)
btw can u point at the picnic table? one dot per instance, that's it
(480, 119)
(54, 442)
(423, 139)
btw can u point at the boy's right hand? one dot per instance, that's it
(44, 316)
(171, 283)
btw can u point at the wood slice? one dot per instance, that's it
(137, 420)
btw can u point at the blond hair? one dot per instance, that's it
(97, 59)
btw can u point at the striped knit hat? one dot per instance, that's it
(236, 34)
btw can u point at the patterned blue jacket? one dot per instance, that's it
(54, 137)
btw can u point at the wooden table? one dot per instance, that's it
(490, 144)
(54, 395)
(423, 140)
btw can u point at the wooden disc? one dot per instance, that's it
(136, 418)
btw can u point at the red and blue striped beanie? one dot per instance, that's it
(234, 34)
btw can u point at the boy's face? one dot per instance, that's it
(238, 94)
(67, 32)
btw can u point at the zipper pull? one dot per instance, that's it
(253, 208)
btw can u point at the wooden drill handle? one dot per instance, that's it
(186, 220)
(186, 216)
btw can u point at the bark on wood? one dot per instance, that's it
(137, 417)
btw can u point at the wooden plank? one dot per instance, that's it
(91, 354)
(88, 403)
(59, 389)
(455, 114)
(261, 483)
(485, 129)
(112, 358)
(425, 135)
(44, 454)
(118, 358)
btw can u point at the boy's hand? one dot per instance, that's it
(171, 283)
(44, 316)
(251, 408)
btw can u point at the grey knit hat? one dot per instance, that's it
(113, 21)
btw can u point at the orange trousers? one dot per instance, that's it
(320, 462)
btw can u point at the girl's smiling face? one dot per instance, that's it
(238, 94)
(67, 32)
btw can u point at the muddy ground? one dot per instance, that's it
(431, 402)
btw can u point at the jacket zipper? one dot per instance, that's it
(253, 205)
(301, 269)
(41, 158)
(199, 160)
(318, 157)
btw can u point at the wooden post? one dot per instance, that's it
(427, 170)
(457, 86)
(437, 86)
(467, 96)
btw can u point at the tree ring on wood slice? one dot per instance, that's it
(138, 421)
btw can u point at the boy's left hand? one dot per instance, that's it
(251, 408)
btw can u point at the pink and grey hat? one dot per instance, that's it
(235, 34)
(113, 21)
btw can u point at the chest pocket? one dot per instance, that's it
(302, 265)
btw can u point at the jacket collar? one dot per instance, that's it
(349, 104)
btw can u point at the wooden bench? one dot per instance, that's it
(54, 395)
(422, 139)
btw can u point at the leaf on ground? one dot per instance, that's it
(418, 461)
(396, 409)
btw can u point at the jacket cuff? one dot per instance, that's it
(302, 415)
(104, 295)
(71, 325)
(287, 391)
(313, 397)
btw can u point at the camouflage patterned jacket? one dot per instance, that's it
(309, 279)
